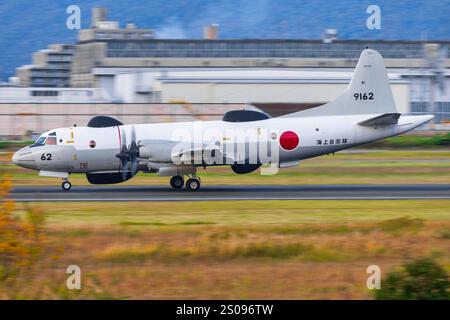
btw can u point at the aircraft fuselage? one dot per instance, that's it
(87, 150)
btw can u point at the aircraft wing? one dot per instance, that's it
(165, 151)
(387, 119)
(207, 152)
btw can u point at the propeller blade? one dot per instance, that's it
(124, 140)
(134, 152)
(125, 169)
(134, 165)
(128, 153)
(133, 134)
(123, 156)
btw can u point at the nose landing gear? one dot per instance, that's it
(66, 185)
(192, 184)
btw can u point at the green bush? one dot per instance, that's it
(421, 279)
(401, 224)
(406, 141)
(4, 144)
(14, 144)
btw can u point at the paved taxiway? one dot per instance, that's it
(251, 192)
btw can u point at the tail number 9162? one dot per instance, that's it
(363, 96)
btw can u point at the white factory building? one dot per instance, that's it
(412, 88)
(222, 85)
(274, 90)
(14, 94)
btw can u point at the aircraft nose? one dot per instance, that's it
(23, 158)
(15, 158)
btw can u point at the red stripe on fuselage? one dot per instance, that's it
(120, 145)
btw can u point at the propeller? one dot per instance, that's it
(128, 153)
(133, 152)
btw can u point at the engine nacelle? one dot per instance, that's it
(107, 178)
(244, 168)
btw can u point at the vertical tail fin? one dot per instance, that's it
(369, 91)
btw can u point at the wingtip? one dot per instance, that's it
(426, 118)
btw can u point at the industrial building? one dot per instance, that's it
(14, 94)
(51, 67)
(135, 67)
(260, 87)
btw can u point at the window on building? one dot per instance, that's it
(44, 93)
(419, 107)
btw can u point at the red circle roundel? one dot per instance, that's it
(289, 140)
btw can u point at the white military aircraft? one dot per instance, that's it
(108, 151)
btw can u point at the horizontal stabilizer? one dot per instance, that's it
(387, 119)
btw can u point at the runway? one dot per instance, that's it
(220, 193)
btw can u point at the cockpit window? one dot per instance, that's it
(50, 141)
(39, 142)
(46, 139)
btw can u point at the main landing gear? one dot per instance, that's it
(192, 184)
(66, 185)
(177, 182)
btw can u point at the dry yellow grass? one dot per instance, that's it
(224, 250)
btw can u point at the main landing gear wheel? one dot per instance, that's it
(193, 184)
(177, 182)
(66, 185)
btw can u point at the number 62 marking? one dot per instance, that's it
(47, 157)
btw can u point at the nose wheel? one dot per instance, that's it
(66, 185)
